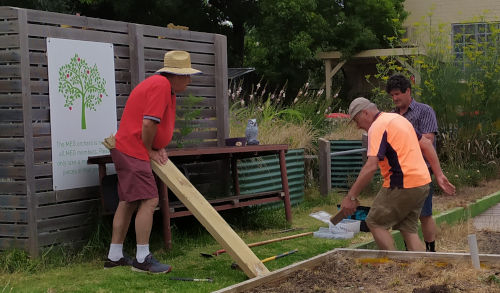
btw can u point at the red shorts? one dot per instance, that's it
(135, 177)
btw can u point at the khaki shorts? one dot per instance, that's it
(398, 208)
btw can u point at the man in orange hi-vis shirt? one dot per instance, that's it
(395, 147)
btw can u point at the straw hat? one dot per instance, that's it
(179, 63)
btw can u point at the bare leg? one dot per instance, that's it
(428, 228)
(382, 237)
(121, 221)
(144, 220)
(413, 242)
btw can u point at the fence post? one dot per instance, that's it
(325, 165)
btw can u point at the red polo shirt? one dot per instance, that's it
(151, 99)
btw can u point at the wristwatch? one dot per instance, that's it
(352, 198)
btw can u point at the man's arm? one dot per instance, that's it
(365, 176)
(149, 129)
(431, 156)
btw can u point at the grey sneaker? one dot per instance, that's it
(124, 261)
(150, 265)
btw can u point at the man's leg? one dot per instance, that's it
(427, 222)
(382, 237)
(121, 222)
(413, 242)
(143, 226)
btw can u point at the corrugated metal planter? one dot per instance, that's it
(345, 169)
(263, 174)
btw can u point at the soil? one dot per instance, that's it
(340, 273)
(347, 274)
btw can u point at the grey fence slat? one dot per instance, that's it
(158, 54)
(65, 236)
(13, 172)
(11, 144)
(200, 91)
(198, 123)
(42, 170)
(8, 13)
(203, 112)
(10, 100)
(9, 27)
(13, 216)
(8, 130)
(9, 41)
(13, 201)
(11, 115)
(11, 158)
(42, 142)
(38, 58)
(64, 222)
(41, 128)
(13, 230)
(10, 56)
(178, 45)
(121, 50)
(43, 184)
(197, 135)
(12, 71)
(76, 34)
(64, 209)
(150, 30)
(8, 243)
(77, 21)
(42, 156)
(204, 102)
(61, 196)
(10, 86)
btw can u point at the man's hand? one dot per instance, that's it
(445, 185)
(159, 156)
(349, 206)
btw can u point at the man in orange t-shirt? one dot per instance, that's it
(395, 147)
(146, 128)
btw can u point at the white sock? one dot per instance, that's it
(115, 251)
(142, 252)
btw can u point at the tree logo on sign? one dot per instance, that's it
(77, 80)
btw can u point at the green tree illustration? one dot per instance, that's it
(77, 80)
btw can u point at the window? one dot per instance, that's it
(464, 35)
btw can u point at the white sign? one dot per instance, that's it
(82, 108)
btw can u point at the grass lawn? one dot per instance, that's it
(82, 271)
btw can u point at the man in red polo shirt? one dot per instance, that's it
(146, 128)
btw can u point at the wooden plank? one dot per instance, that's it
(11, 158)
(221, 89)
(200, 123)
(196, 135)
(65, 236)
(10, 86)
(13, 230)
(156, 54)
(210, 219)
(12, 71)
(64, 209)
(10, 56)
(121, 51)
(13, 201)
(203, 112)
(9, 243)
(43, 156)
(136, 47)
(374, 53)
(8, 12)
(38, 58)
(170, 44)
(28, 133)
(76, 34)
(156, 31)
(43, 184)
(9, 27)
(205, 102)
(41, 128)
(61, 196)
(9, 41)
(77, 21)
(13, 172)
(41, 142)
(64, 222)
(13, 216)
(152, 66)
(11, 144)
(42, 170)
(10, 100)
(11, 115)
(8, 130)
(15, 187)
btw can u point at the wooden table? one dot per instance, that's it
(233, 153)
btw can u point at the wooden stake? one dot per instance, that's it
(210, 219)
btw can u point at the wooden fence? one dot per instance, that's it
(32, 214)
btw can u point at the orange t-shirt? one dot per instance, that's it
(394, 141)
(151, 99)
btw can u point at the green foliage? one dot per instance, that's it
(78, 80)
(288, 34)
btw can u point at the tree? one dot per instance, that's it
(77, 80)
(288, 34)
